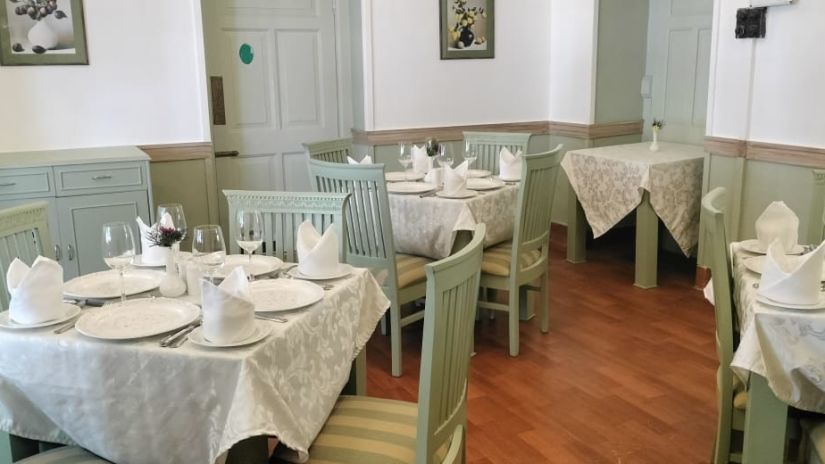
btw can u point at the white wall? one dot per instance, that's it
(145, 83)
(572, 83)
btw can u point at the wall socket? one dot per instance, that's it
(750, 23)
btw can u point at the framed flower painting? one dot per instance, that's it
(467, 29)
(38, 32)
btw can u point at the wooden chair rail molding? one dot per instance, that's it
(178, 151)
(771, 152)
(447, 133)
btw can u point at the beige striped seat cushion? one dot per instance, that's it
(496, 260)
(410, 269)
(364, 430)
(64, 455)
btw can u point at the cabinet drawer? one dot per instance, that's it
(100, 178)
(26, 183)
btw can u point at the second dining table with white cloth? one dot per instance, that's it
(136, 402)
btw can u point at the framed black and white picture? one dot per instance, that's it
(42, 32)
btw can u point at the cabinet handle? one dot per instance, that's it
(70, 249)
(58, 255)
(8, 184)
(101, 177)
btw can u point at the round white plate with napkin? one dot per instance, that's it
(818, 305)
(106, 284)
(409, 187)
(457, 195)
(139, 318)
(478, 173)
(484, 184)
(138, 261)
(508, 179)
(397, 176)
(342, 271)
(261, 264)
(262, 329)
(70, 311)
(284, 294)
(754, 246)
(757, 264)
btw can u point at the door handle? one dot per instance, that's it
(70, 249)
(58, 255)
(227, 154)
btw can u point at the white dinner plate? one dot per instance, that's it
(261, 264)
(396, 176)
(819, 305)
(753, 246)
(262, 329)
(484, 184)
(70, 312)
(106, 284)
(138, 261)
(478, 173)
(409, 187)
(507, 179)
(757, 264)
(284, 294)
(139, 318)
(460, 194)
(342, 271)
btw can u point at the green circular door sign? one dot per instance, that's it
(246, 53)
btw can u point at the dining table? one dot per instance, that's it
(781, 357)
(608, 183)
(136, 402)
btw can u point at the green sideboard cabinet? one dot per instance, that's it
(85, 188)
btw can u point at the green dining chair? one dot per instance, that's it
(512, 266)
(369, 240)
(64, 455)
(364, 430)
(731, 397)
(24, 234)
(282, 213)
(488, 145)
(333, 151)
(812, 449)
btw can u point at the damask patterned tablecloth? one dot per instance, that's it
(786, 347)
(135, 402)
(428, 226)
(610, 182)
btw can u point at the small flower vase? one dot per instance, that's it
(654, 145)
(41, 34)
(172, 285)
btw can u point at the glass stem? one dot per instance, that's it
(122, 286)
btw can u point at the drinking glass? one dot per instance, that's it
(444, 157)
(249, 232)
(208, 248)
(469, 154)
(118, 250)
(175, 211)
(405, 156)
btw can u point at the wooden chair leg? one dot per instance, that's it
(395, 338)
(544, 296)
(724, 403)
(514, 321)
(384, 325)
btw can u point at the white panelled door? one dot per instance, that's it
(678, 62)
(273, 77)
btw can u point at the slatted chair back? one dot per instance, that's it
(333, 151)
(449, 318)
(488, 145)
(283, 212)
(24, 234)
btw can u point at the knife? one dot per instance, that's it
(171, 339)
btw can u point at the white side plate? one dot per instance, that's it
(757, 264)
(70, 311)
(484, 184)
(409, 187)
(478, 173)
(261, 264)
(284, 294)
(106, 284)
(753, 246)
(396, 176)
(459, 195)
(342, 271)
(262, 329)
(141, 318)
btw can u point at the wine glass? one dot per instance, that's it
(405, 156)
(469, 154)
(118, 250)
(208, 248)
(444, 157)
(249, 232)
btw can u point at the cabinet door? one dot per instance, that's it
(81, 222)
(54, 230)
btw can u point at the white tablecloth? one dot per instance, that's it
(135, 402)
(610, 181)
(786, 347)
(428, 226)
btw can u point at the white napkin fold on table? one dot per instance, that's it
(509, 165)
(421, 162)
(365, 160)
(36, 292)
(435, 177)
(228, 310)
(455, 180)
(778, 222)
(792, 279)
(151, 254)
(317, 254)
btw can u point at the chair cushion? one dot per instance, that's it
(410, 269)
(64, 455)
(496, 260)
(364, 430)
(740, 400)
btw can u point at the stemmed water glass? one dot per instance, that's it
(444, 157)
(405, 157)
(118, 250)
(469, 154)
(249, 232)
(208, 248)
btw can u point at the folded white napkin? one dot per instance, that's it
(778, 222)
(228, 310)
(365, 160)
(36, 292)
(317, 254)
(455, 179)
(435, 176)
(151, 254)
(509, 165)
(792, 279)
(421, 162)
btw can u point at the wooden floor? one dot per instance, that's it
(624, 376)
